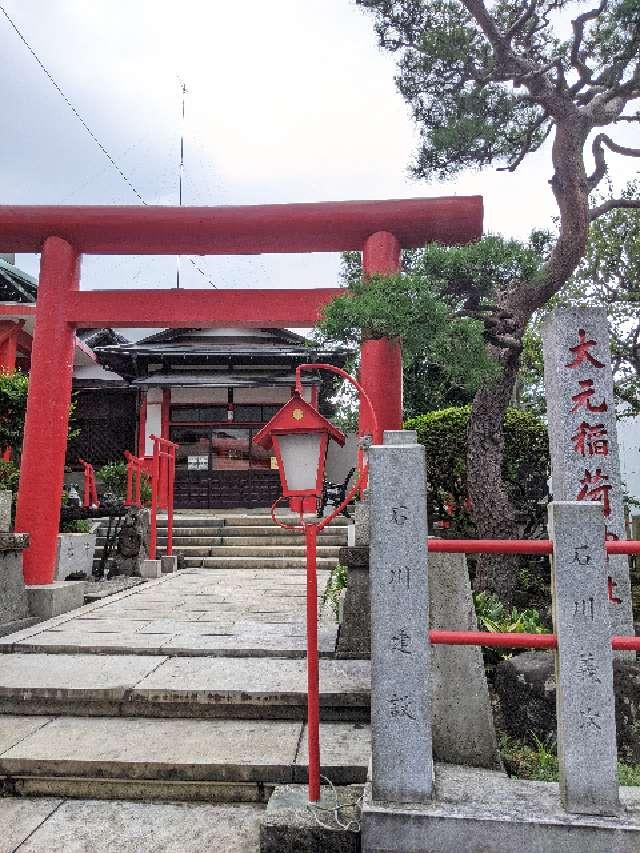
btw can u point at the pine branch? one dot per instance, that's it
(614, 204)
(577, 55)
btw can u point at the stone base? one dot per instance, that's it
(477, 811)
(150, 569)
(168, 564)
(7, 628)
(53, 599)
(289, 826)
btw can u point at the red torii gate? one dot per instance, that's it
(380, 229)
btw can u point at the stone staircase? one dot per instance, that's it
(238, 540)
(159, 693)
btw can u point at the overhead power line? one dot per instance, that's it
(84, 124)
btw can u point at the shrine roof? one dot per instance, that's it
(16, 285)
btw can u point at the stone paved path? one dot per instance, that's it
(189, 688)
(94, 826)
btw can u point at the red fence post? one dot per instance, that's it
(47, 418)
(155, 485)
(171, 473)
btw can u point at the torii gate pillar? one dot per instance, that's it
(47, 419)
(381, 359)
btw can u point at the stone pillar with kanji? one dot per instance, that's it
(585, 464)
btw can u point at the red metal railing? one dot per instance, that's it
(135, 472)
(516, 641)
(163, 473)
(90, 493)
(518, 546)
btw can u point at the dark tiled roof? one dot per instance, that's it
(174, 336)
(15, 285)
(100, 337)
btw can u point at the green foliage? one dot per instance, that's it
(80, 525)
(459, 82)
(9, 476)
(494, 617)
(335, 584)
(540, 762)
(437, 306)
(13, 405)
(537, 762)
(113, 475)
(525, 466)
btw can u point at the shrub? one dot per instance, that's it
(80, 525)
(113, 476)
(335, 584)
(9, 476)
(526, 467)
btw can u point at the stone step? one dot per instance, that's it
(250, 540)
(193, 521)
(48, 825)
(228, 761)
(186, 687)
(237, 630)
(264, 520)
(327, 563)
(214, 550)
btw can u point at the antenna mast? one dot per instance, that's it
(183, 89)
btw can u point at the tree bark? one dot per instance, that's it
(492, 510)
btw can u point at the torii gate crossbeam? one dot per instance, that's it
(380, 229)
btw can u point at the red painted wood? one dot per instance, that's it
(17, 310)
(381, 360)
(259, 308)
(165, 413)
(246, 230)
(47, 418)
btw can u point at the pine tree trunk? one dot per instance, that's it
(492, 510)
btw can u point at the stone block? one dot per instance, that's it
(585, 707)
(354, 637)
(289, 824)
(49, 600)
(463, 730)
(151, 569)
(400, 654)
(168, 564)
(479, 811)
(6, 504)
(13, 597)
(585, 463)
(74, 554)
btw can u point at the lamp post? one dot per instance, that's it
(299, 436)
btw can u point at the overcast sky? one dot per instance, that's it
(289, 100)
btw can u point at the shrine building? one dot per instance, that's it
(209, 390)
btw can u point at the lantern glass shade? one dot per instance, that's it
(301, 455)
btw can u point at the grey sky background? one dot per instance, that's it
(288, 101)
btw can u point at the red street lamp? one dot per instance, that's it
(299, 436)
